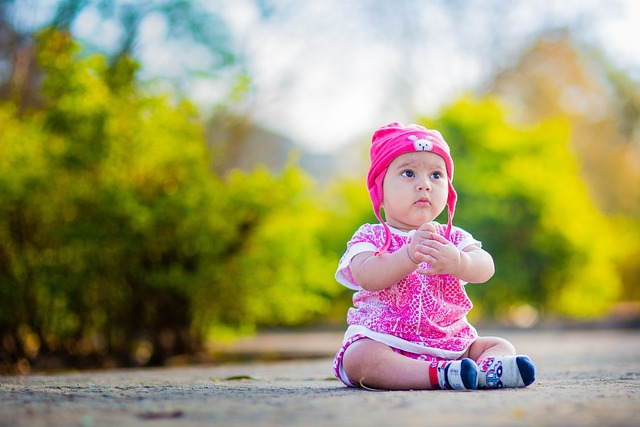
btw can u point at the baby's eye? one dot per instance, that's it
(436, 175)
(408, 173)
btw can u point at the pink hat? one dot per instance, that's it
(389, 142)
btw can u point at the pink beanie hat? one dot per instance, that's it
(389, 142)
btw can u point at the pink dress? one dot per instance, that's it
(423, 315)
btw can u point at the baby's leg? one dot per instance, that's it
(498, 364)
(485, 347)
(372, 364)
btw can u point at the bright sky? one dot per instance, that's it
(323, 79)
(327, 73)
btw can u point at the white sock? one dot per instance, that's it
(456, 374)
(505, 371)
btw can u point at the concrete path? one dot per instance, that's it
(585, 378)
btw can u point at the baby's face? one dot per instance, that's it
(415, 189)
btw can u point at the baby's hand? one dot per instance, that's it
(442, 255)
(417, 237)
(428, 226)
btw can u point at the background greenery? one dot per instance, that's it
(121, 244)
(114, 233)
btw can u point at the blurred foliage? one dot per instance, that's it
(118, 34)
(521, 194)
(124, 240)
(546, 170)
(560, 78)
(181, 20)
(117, 243)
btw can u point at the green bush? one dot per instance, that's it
(521, 192)
(117, 243)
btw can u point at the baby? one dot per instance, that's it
(408, 327)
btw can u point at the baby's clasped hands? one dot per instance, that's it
(439, 253)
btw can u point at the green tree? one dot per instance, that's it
(118, 245)
(521, 193)
(559, 77)
(187, 24)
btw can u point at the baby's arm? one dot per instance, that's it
(377, 272)
(472, 264)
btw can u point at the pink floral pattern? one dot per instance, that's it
(426, 310)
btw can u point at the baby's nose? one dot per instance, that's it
(424, 185)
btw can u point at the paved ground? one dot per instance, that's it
(585, 378)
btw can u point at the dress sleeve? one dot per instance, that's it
(462, 239)
(362, 241)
